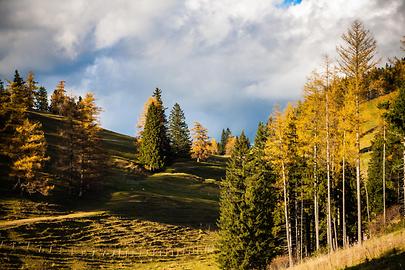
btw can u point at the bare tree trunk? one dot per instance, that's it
(384, 175)
(359, 237)
(404, 178)
(344, 189)
(287, 222)
(301, 229)
(329, 220)
(316, 208)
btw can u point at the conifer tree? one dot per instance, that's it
(67, 165)
(225, 135)
(396, 117)
(92, 159)
(258, 207)
(58, 99)
(230, 144)
(231, 246)
(150, 152)
(31, 90)
(21, 96)
(213, 147)
(28, 158)
(41, 100)
(179, 133)
(200, 146)
(164, 138)
(356, 59)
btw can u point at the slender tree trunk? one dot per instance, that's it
(301, 229)
(383, 172)
(316, 208)
(287, 222)
(404, 177)
(329, 220)
(344, 189)
(359, 237)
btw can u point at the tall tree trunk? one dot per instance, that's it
(359, 237)
(383, 172)
(404, 177)
(316, 208)
(329, 220)
(344, 189)
(301, 229)
(287, 222)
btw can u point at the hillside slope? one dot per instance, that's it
(160, 221)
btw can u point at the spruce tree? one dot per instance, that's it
(151, 153)
(396, 118)
(179, 133)
(225, 135)
(231, 246)
(258, 207)
(28, 158)
(41, 100)
(164, 138)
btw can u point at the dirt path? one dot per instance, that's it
(49, 218)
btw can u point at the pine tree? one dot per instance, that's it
(213, 147)
(41, 100)
(230, 144)
(164, 138)
(200, 145)
(150, 152)
(179, 133)
(225, 135)
(281, 152)
(231, 246)
(92, 159)
(396, 117)
(258, 207)
(31, 90)
(67, 165)
(28, 158)
(21, 96)
(356, 59)
(58, 99)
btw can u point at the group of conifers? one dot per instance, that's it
(300, 187)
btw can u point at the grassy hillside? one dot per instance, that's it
(371, 121)
(161, 221)
(384, 252)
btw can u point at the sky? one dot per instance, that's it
(227, 63)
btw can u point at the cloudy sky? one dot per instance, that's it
(225, 62)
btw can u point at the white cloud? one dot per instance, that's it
(213, 56)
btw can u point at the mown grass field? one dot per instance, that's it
(135, 221)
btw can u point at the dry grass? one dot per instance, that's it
(355, 255)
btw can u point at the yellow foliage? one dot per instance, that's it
(200, 148)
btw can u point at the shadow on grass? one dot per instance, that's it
(392, 260)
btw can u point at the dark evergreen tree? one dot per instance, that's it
(231, 246)
(226, 134)
(257, 208)
(396, 118)
(163, 134)
(393, 167)
(179, 133)
(41, 100)
(151, 153)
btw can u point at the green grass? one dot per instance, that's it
(135, 221)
